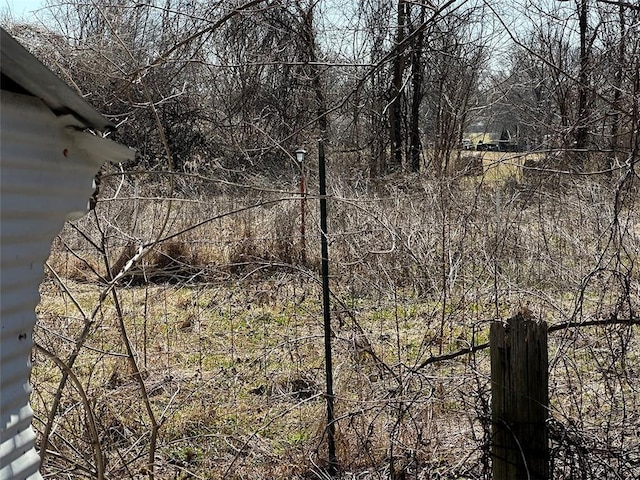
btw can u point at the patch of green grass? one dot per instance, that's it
(185, 455)
(229, 356)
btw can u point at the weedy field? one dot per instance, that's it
(180, 329)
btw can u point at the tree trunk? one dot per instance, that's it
(308, 31)
(415, 144)
(395, 110)
(378, 159)
(581, 129)
(617, 95)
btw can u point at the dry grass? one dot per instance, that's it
(226, 328)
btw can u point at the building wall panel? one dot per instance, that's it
(46, 173)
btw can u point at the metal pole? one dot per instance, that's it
(303, 200)
(331, 429)
(300, 153)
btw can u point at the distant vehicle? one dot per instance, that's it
(489, 146)
(502, 141)
(467, 144)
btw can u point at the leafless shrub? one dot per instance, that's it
(229, 359)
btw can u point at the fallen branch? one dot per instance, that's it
(553, 328)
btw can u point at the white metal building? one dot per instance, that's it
(47, 162)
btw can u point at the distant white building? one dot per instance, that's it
(47, 163)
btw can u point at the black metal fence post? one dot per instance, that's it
(331, 429)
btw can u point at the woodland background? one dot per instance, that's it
(180, 328)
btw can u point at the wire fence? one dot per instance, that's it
(180, 332)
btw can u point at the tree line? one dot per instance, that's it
(397, 84)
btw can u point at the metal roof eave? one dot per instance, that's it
(27, 71)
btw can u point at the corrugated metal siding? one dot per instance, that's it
(45, 173)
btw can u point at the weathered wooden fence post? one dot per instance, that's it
(519, 399)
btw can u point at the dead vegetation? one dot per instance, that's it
(224, 323)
